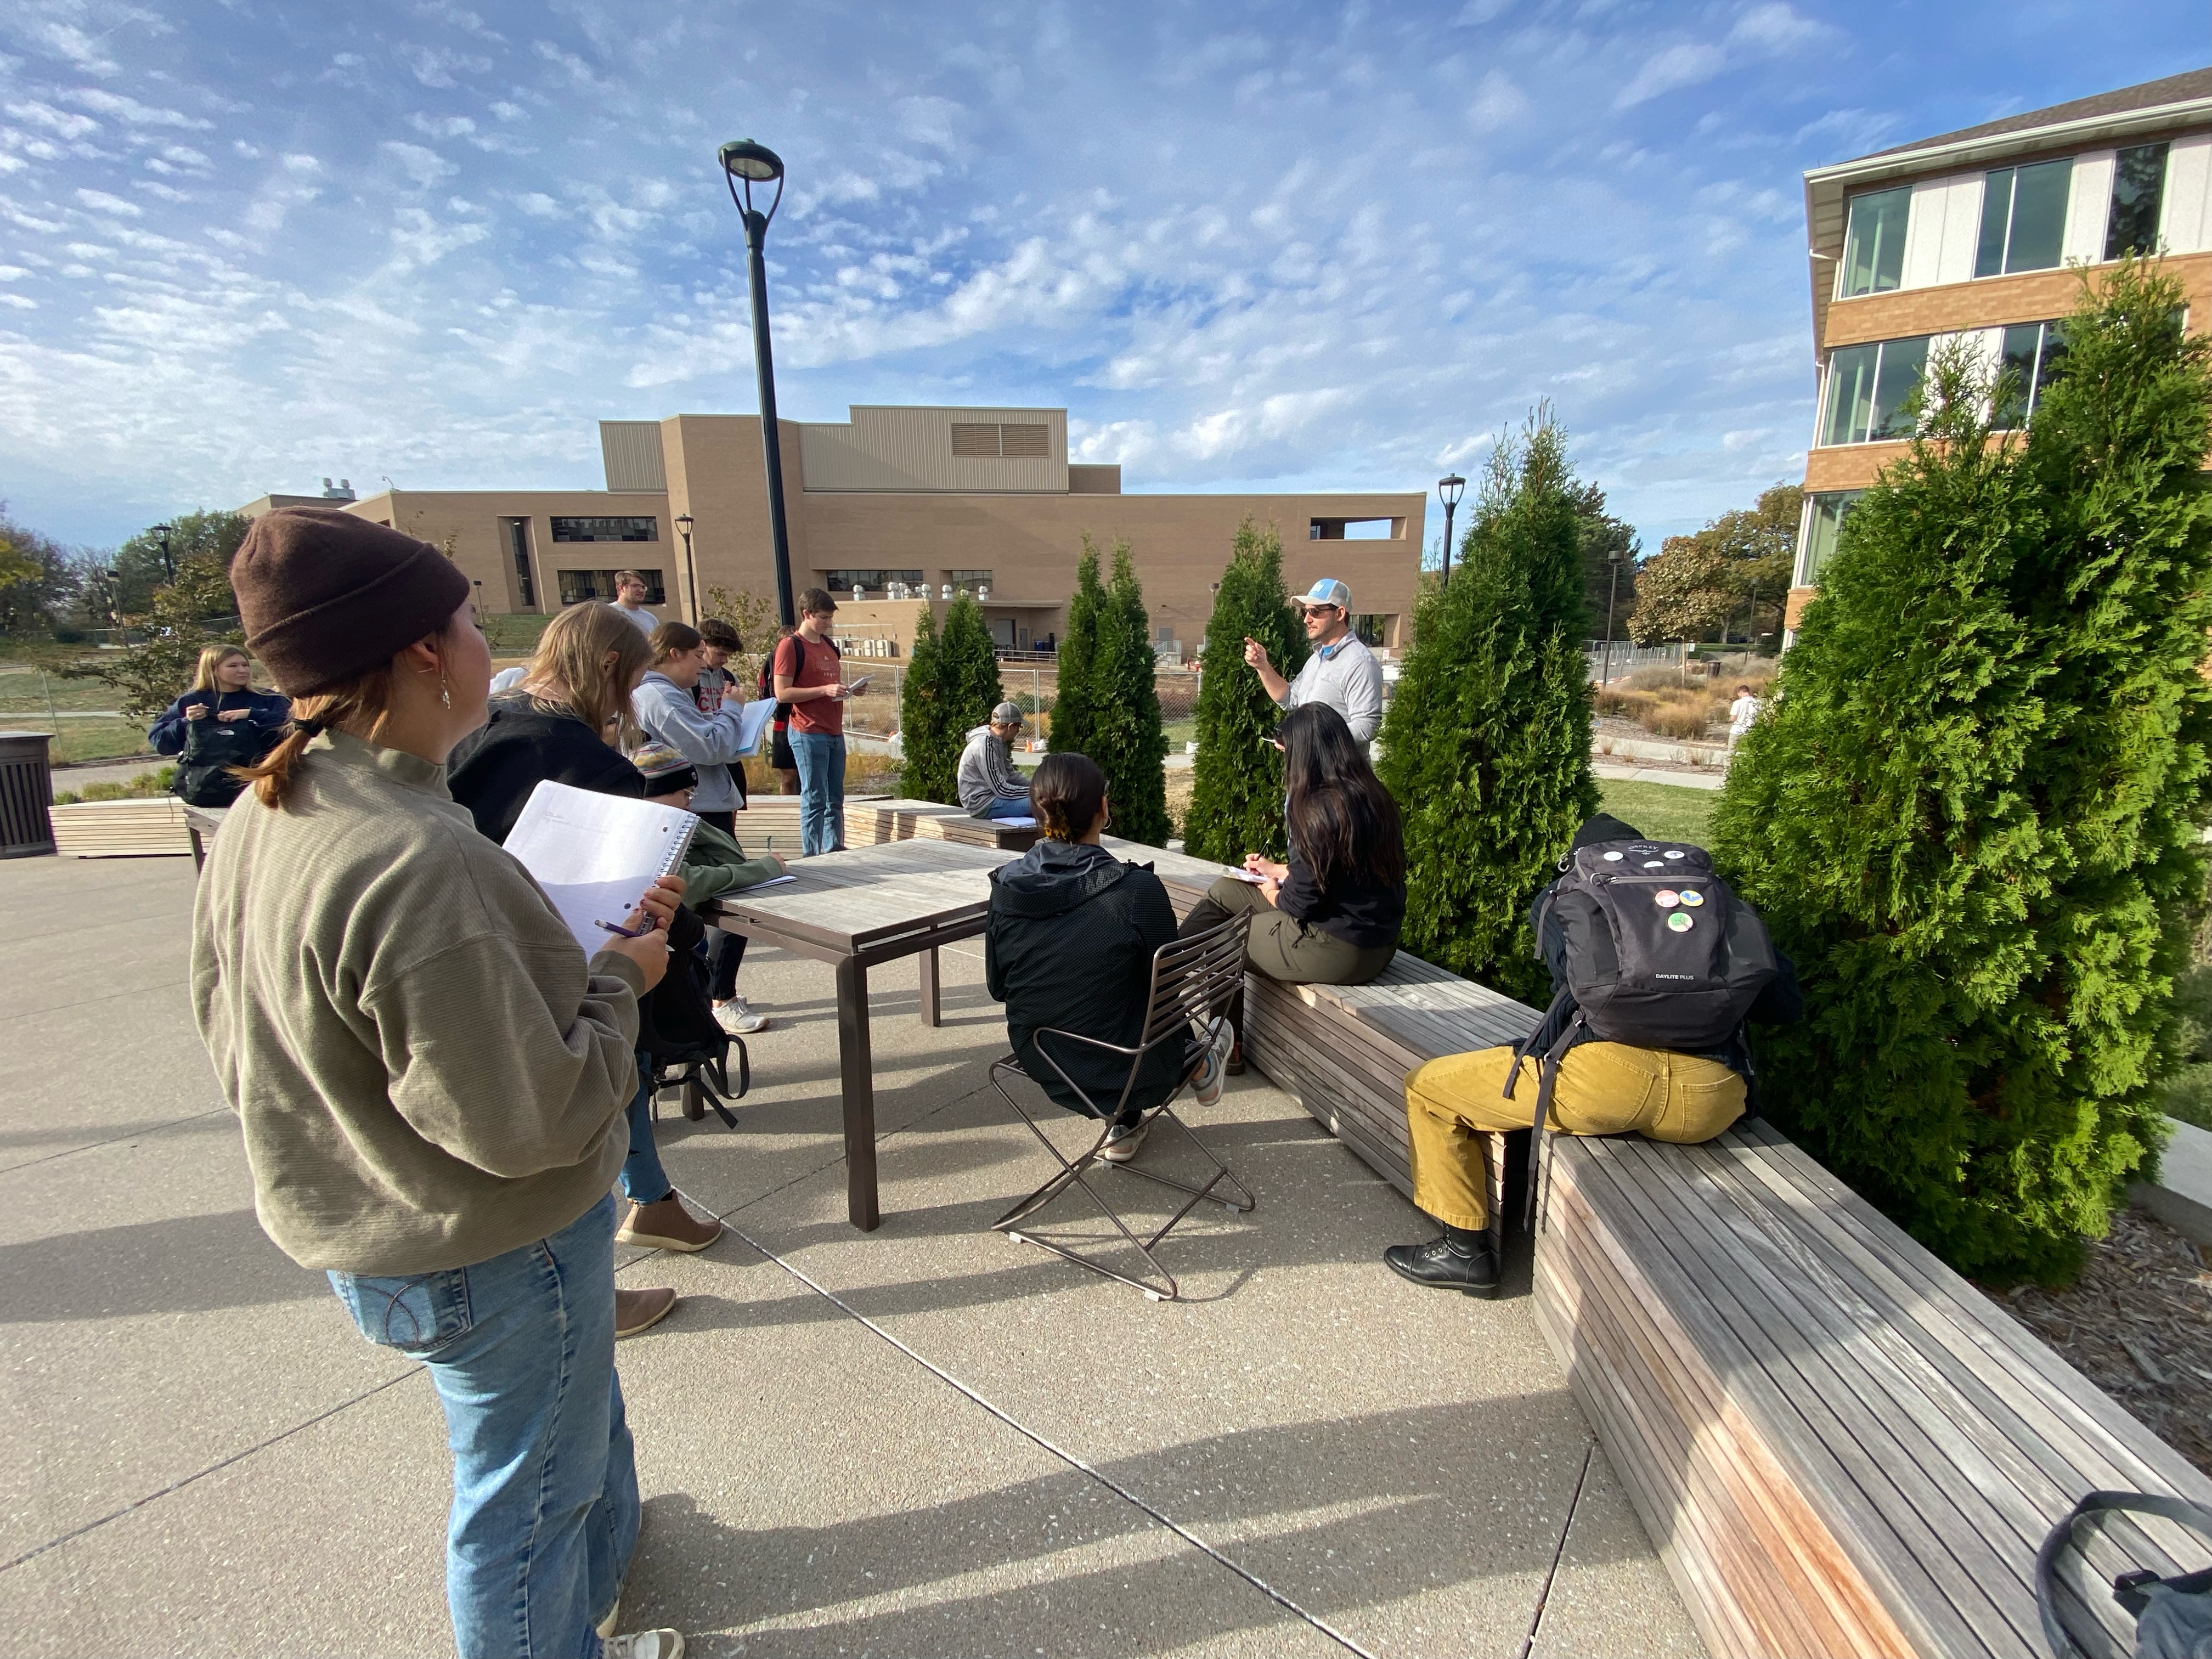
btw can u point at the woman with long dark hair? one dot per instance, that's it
(1330, 915)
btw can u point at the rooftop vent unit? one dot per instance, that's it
(343, 491)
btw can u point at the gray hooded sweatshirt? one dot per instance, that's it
(986, 772)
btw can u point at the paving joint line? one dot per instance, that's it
(1045, 1443)
(216, 1468)
(1551, 1572)
(113, 1140)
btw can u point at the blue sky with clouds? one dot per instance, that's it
(1273, 247)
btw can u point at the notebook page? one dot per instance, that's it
(596, 854)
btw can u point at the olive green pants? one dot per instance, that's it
(1602, 1089)
(1281, 946)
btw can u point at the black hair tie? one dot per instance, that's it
(308, 727)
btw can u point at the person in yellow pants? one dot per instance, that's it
(1602, 1089)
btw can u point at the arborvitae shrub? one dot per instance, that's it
(1487, 744)
(1237, 785)
(1974, 817)
(1126, 737)
(1075, 709)
(952, 685)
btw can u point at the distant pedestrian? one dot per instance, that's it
(629, 598)
(430, 1075)
(989, 785)
(221, 723)
(1743, 714)
(810, 677)
(715, 678)
(1341, 672)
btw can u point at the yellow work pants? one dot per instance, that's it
(1603, 1089)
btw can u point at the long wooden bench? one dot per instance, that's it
(878, 821)
(153, 828)
(1837, 1445)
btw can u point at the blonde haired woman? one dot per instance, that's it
(561, 723)
(430, 1075)
(220, 723)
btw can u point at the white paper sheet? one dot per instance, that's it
(596, 854)
(752, 724)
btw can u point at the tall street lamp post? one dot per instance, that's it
(1448, 491)
(1612, 594)
(684, 522)
(746, 164)
(168, 563)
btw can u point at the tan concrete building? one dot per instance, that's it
(1973, 235)
(980, 499)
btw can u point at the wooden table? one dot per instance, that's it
(855, 910)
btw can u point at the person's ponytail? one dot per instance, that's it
(359, 703)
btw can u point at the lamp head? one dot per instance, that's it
(684, 522)
(1449, 488)
(743, 159)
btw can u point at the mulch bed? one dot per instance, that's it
(2138, 1324)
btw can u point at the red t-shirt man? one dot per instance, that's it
(802, 663)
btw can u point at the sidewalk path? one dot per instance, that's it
(927, 1440)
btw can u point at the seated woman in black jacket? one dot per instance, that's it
(1330, 915)
(1069, 947)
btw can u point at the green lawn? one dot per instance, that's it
(86, 740)
(1665, 811)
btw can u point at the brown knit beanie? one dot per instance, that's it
(327, 595)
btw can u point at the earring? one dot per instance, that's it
(445, 691)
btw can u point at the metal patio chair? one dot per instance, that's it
(1193, 982)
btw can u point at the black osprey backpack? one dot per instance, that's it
(1660, 954)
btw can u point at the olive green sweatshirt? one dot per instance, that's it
(427, 1072)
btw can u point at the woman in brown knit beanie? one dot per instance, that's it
(430, 1076)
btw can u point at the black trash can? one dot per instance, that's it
(27, 789)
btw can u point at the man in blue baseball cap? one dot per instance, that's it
(1342, 673)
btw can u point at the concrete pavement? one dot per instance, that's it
(927, 1439)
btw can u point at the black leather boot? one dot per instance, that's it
(1459, 1261)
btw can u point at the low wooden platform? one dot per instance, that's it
(770, 823)
(876, 822)
(121, 828)
(1837, 1443)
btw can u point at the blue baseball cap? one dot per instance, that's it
(1327, 591)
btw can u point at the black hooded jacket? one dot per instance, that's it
(1069, 946)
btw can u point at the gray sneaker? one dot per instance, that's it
(1123, 1140)
(738, 1020)
(644, 1644)
(1206, 1087)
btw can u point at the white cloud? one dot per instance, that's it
(442, 126)
(419, 240)
(933, 121)
(425, 166)
(100, 202)
(133, 112)
(1677, 66)
(1779, 29)
(436, 66)
(20, 301)
(538, 205)
(1497, 102)
(54, 120)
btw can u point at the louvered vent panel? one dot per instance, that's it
(1030, 442)
(975, 438)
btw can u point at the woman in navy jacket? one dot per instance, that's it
(221, 722)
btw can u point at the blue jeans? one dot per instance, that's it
(643, 1180)
(521, 1350)
(1007, 806)
(821, 759)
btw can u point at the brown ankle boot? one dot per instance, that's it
(666, 1225)
(639, 1311)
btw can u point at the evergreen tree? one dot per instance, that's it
(952, 685)
(1237, 792)
(1128, 743)
(1487, 744)
(1075, 707)
(1974, 819)
(1601, 535)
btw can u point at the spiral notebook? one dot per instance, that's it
(596, 854)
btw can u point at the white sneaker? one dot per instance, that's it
(738, 1020)
(1121, 1144)
(1215, 1068)
(644, 1644)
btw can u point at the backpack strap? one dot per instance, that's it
(1542, 1129)
(1561, 999)
(2177, 1510)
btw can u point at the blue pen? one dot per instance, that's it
(627, 933)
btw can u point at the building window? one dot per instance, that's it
(607, 530)
(2032, 350)
(2138, 184)
(1868, 387)
(1874, 252)
(2023, 218)
(874, 581)
(1025, 441)
(1825, 517)
(578, 586)
(967, 581)
(518, 545)
(1373, 629)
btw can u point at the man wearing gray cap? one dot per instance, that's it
(1342, 673)
(989, 785)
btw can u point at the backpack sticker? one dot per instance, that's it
(1666, 898)
(1674, 855)
(1680, 923)
(1654, 864)
(1615, 858)
(1691, 896)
